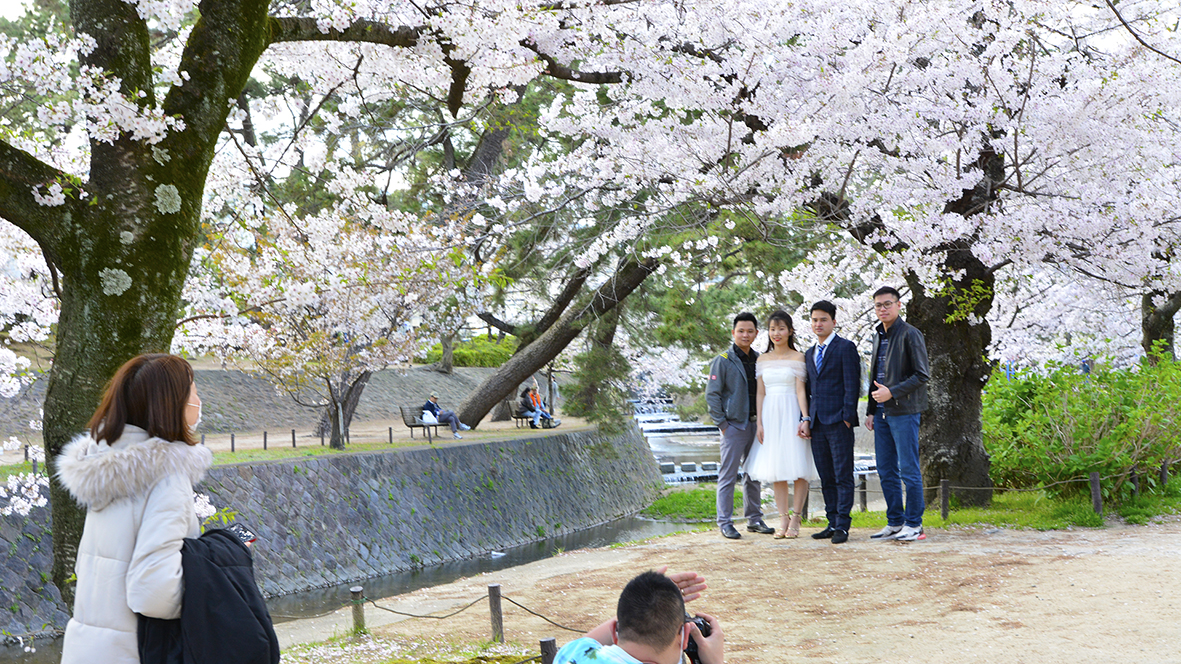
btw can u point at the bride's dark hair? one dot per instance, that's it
(781, 315)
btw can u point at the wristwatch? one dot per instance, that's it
(805, 419)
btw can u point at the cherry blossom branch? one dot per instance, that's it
(20, 174)
(297, 29)
(556, 70)
(1111, 6)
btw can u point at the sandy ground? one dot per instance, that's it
(978, 595)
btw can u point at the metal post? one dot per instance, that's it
(944, 497)
(293, 439)
(496, 612)
(34, 466)
(1164, 473)
(1096, 494)
(264, 440)
(231, 442)
(202, 439)
(549, 650)
(804, 512)
(391, 435)
(358, 594)
(864, 494)
(1135, 483)
(321, 438)
(26, 452)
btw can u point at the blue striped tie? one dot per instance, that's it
(819, 358)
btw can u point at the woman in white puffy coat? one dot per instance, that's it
(134, 473)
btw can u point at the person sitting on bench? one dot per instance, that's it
(532, 406)
(447, 417)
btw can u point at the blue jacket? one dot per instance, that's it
(833, 392)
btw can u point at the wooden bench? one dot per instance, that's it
(414, 421)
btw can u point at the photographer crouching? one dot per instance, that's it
(651, 626)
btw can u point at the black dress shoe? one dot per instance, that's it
(840, 536)
(730, 532)
(759, 527)
(826, 533)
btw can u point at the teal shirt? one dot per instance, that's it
(590, 650)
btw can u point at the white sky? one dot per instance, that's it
(11, 9)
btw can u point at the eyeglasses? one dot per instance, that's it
(884, 305)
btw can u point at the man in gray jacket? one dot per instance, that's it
(730, 394)
(897, 399)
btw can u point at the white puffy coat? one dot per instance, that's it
(138, 494)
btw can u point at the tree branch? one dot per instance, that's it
(293, 29)
(1111, 6)
(507, 328)
(569, 292)
(560, 71)
(20, 172)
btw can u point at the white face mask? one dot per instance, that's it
(194, 425)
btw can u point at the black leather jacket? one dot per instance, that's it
(907, 370)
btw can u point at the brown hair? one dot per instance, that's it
(151, 392)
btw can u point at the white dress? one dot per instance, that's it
(783, 456)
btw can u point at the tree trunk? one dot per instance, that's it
(1156, 323)
(543, 349)
(951, 444)
(446, 363)
(348, 407)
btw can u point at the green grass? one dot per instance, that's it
(691, 504)
(19, 468)
(1032, 510)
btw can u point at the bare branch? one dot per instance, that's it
(1111, 6)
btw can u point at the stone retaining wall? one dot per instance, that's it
(29, 602)
(333, 519)
(327, 520)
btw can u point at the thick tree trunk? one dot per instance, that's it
(546, 347)
(1156, 323)
(951, 442)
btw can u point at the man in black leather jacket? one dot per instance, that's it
(897, 399)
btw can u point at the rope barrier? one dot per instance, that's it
(569, 629)
(412, 615)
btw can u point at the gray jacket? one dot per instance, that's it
(726, 392)
(907, 370)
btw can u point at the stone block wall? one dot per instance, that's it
(334, 519)
(29, 602)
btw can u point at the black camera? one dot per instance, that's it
(691, 649)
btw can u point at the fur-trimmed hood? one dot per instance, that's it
(98, 474)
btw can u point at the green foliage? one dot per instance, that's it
(475, 352)
(595, 389)
(1061, 426)
(963, 300)
(221, 518)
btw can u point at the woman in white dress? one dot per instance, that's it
(782, 456)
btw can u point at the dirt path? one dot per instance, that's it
(962, 595)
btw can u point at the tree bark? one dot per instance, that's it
(329, 417)
(532, 357)
(446, 363)
(951, 442)
(1156, 324)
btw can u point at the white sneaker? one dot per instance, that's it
(456, 436)
(910, 534)
(889, 532)
(463, 427)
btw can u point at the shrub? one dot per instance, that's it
(475, 352)
(1041, 429)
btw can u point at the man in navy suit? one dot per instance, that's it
(833, 384)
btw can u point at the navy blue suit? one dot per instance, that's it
(832, 404)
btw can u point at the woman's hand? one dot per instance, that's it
(759, 433)
(805, 430)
